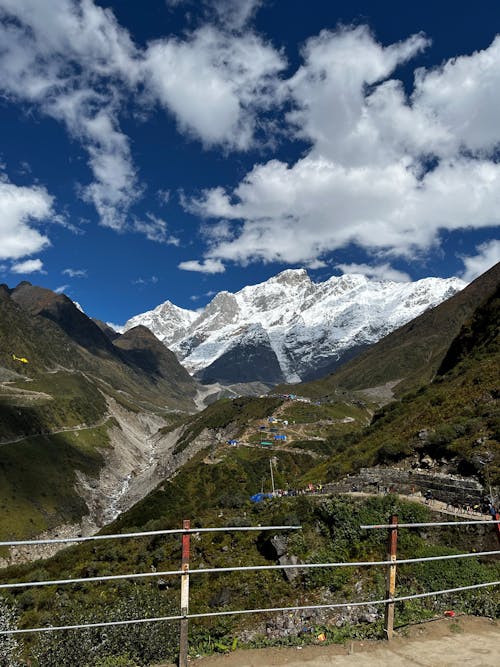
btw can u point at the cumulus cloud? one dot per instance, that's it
(78, 65)
(379, 272)
(206, 266)
(215, 83)
(75, 273)
(69, 63)
(385, 171)
(28, 266)
(488, 255)
(20, 208)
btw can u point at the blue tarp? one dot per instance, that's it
(259, 497)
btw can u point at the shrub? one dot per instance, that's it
(9, 648)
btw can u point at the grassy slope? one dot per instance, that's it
(37, 480)
(218, 494)
(63, 386)
(330, 532)
(460, 410)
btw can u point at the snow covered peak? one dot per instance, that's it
(291, 277)
(306, 326)
(167, 321)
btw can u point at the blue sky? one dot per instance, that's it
(170, 149)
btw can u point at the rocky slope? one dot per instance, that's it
(290, 328)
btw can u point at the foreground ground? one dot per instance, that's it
(465, 641)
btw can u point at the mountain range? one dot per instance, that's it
(289, 328)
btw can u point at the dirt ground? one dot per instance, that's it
(463, 641)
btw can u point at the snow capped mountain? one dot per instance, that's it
(167, 321)
(289, 328)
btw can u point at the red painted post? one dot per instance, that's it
(183, 639)
(390, 588)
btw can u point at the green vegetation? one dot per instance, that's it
(306, 413)
(456, 417)
(38, 477)
(238, 412)
(74, 401)
(330, 532)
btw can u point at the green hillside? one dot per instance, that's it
(330, 532)
(456, 417)
(53, 407)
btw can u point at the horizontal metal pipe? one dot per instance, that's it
(247, 611)
(433, 523)
(175, 531)
(245, 568)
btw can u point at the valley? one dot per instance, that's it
(108, 433)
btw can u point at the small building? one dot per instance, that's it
(232, 442)
(266, 443)
(280, 437)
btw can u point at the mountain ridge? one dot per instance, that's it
(306, 329)
(412, 354)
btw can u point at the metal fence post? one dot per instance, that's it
(183, 639)
(390, 588)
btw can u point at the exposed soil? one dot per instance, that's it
(464, 641)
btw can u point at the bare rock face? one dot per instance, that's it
(427, 462)
(289, 573)
(280, 544)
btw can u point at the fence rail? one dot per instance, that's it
(186, 532)
(264, 610)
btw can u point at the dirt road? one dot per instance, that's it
(464, 642)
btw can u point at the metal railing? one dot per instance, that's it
(186, 532)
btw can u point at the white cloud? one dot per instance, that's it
(463, 96)
(75, 273)
(61, 289)
(379, 272)
(163, 196)
(488, 255)
(330, 92)
(232, 14)
(155, 229)
(366, 178)
(76, 64)
(316, 264)
(20, 207)
(206, 266)
(28, 266)
(215, 83)
(73, 62)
